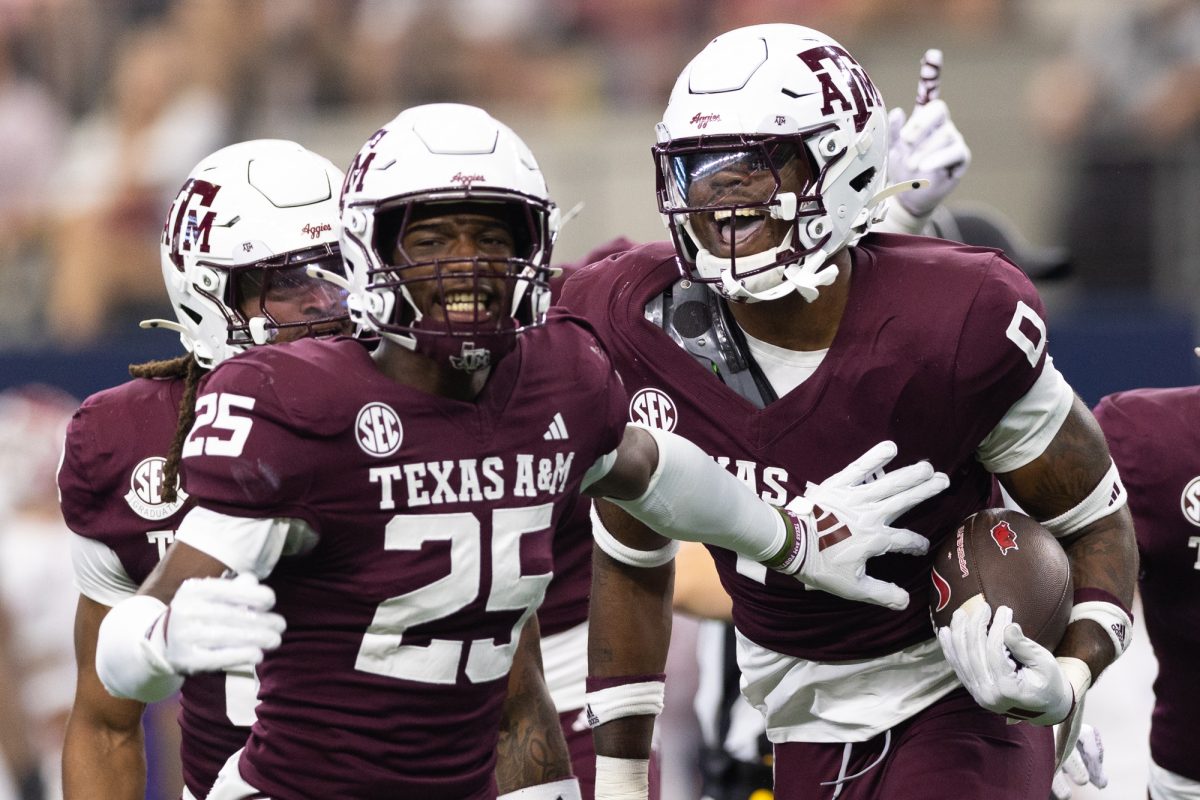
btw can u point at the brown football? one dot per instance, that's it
(1013, 561)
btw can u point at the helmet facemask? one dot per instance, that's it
(463, 310)
(762, 97)
(256, 293)
(741, 209)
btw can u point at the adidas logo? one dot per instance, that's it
(557, 429)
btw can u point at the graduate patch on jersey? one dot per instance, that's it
(653, 408)
(378, 430)
(145, 491)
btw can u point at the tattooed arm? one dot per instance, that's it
(1103, 554)
(531, 750)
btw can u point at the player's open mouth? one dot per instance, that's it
(738, 226)
(470, 305)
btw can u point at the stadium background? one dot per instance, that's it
(106, 104)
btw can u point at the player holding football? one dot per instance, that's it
(1153, 436)
(403, 501)
(236, 278)
(789, 344)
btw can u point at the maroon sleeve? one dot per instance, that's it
(78, 498)
(1001, 349)
(246, 455)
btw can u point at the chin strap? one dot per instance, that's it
(897, 188)
(328, 277)
(165, 324)
(185, 337)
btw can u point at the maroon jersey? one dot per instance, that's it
(937, 342)
(1154, 435)
(110, 485)
(566, 603)
(435, 518)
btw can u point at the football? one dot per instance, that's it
(1011, 560)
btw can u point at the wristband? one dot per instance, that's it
(1108, 497)
(793, 561)
(1107, 612)
(128, 662)
(630, 696)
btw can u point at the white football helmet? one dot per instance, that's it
(235, 245)
(426, 161)
(770, 101)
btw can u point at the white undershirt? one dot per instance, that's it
(785, 369)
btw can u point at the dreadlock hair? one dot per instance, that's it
(185, 367)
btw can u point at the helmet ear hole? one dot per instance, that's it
(192, 313)
(862, 179)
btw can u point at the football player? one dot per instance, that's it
(735, 762)
(1153, 436)
(403, 500)
(236, 243)
(791, 341)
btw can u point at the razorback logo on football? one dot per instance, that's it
(1004, 537)
(942, 587)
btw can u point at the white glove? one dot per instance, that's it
(832, 547)
(1083, 765)
(926, 145)
(1040, 689)
(216, 623)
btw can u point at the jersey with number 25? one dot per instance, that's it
(434, 521)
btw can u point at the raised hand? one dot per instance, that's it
(926, 144)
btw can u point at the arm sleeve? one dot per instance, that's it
(726, 513)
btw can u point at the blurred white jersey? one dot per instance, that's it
(37, 594)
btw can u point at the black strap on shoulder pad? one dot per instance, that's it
(699, 322)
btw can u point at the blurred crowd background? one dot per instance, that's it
(1083, 117)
